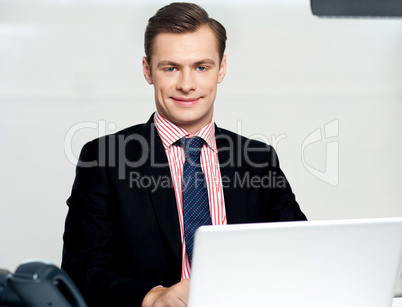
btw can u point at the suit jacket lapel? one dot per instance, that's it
(232, 166)
(163, 200)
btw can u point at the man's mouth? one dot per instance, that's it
(186, 102)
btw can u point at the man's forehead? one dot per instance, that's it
(193, 46)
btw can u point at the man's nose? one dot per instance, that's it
(186, 83)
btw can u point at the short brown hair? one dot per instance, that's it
(182, 17)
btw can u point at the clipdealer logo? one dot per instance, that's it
(100, 127)
(327, 135)
(331, 173)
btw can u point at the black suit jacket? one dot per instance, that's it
(122, 233)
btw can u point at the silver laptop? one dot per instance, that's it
(343, 263)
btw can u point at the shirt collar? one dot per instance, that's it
(170, 133)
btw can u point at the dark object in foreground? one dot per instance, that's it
(37, 284)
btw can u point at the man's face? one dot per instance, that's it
(185, 74)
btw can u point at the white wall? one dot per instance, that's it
(68, 62)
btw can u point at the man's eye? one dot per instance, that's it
(201, 68)
(170, 69)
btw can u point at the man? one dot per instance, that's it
(126, 240)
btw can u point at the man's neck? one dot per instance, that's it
(189, 128)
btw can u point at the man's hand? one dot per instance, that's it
(174, 296)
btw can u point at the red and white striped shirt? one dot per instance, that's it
(170, 133)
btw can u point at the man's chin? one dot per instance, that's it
(191, 122)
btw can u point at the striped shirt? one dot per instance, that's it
(170, 133)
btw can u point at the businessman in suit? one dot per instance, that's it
(125, 240)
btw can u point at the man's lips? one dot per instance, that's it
(185, 102)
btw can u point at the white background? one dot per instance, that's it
(289, 73)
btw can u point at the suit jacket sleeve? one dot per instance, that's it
(278, 200)
(284, 205)
(90, 248)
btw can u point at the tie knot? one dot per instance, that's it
(192, 146)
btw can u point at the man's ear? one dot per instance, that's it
(222, 69)
(146, 69)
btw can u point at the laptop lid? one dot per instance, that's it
(305, 264)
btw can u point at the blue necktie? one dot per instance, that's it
(195, 194)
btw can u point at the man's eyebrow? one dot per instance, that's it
(167, 63)
(205, 61)
(171, 63)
